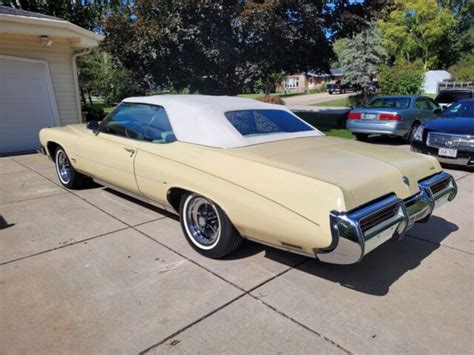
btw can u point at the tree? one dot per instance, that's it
(99, 72)
(403, 78)
(464, 69)
(421, 29)
(360, 56)
(346, 18)
(217, 47)
(84, 13)
(338, 47)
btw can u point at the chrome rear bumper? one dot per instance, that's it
(357, 233)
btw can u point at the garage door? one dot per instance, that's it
(26, 103)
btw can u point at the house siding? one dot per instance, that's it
(59, 59)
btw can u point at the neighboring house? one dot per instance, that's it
(38, 76)
(432, 79)
(302, 82)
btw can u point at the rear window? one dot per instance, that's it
(262, 122)
(396, 102)
(447, 97)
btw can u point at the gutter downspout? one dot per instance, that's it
(76, 80)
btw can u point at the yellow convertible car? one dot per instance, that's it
(236, 168)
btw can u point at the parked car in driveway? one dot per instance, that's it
(451, 137)
(236, 168)
(340, 88)
(391, 115)
(448, 96)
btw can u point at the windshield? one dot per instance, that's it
(447, 97)
(395, 102)
(460, 109)
(261, 122)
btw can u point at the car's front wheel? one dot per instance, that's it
(207, 228)
(67, 175)
(411, 133)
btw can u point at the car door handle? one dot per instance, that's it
(130, 150)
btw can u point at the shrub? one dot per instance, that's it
(403, 78)
(271, 99)
(317, 90)
(464, 69)
(360, 99)
(93, 112)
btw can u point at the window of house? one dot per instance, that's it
(292, 82)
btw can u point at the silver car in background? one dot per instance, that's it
(392, 115)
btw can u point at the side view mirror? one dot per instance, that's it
(438, 111)
(93, 126)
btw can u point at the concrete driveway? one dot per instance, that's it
(92, 271)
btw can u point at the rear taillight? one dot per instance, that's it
(390, 117)
(354, 115)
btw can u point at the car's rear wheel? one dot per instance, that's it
(207, 228)
(411, 134)
(362, 137)
(67, 175)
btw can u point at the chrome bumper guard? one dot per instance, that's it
(357, 233)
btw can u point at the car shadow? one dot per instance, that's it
(380, 269)
(467, 169)
(141, 203)
(374, 275)
(377, 139)
(4, 224)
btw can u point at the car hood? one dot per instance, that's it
(363, 171)
(454, 125)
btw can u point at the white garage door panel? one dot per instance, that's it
(26, 104)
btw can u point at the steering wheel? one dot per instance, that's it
(133, 130)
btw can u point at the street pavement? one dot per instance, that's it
(93, 271)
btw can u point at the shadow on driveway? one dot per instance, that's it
(373, 275)
(386, 140)
(4, 224)
(384, 266)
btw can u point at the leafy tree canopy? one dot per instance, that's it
(84, 13)
(464, 69)
(361, 55)
(421, 29)
(346, 18)
(216, 47)
(403, 78)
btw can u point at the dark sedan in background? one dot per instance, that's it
(391, 115)
(451, 137)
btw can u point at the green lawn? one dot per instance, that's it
(330, 124)
(341, 102)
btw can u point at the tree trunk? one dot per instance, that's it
(83, 96)
(90, 97)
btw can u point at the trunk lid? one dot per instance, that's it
(363, 171)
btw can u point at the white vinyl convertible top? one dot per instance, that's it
(200, 119)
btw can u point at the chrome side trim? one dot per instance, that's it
(350, 243)
(135, 196)
(279, 246)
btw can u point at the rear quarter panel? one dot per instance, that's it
(264, 203)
